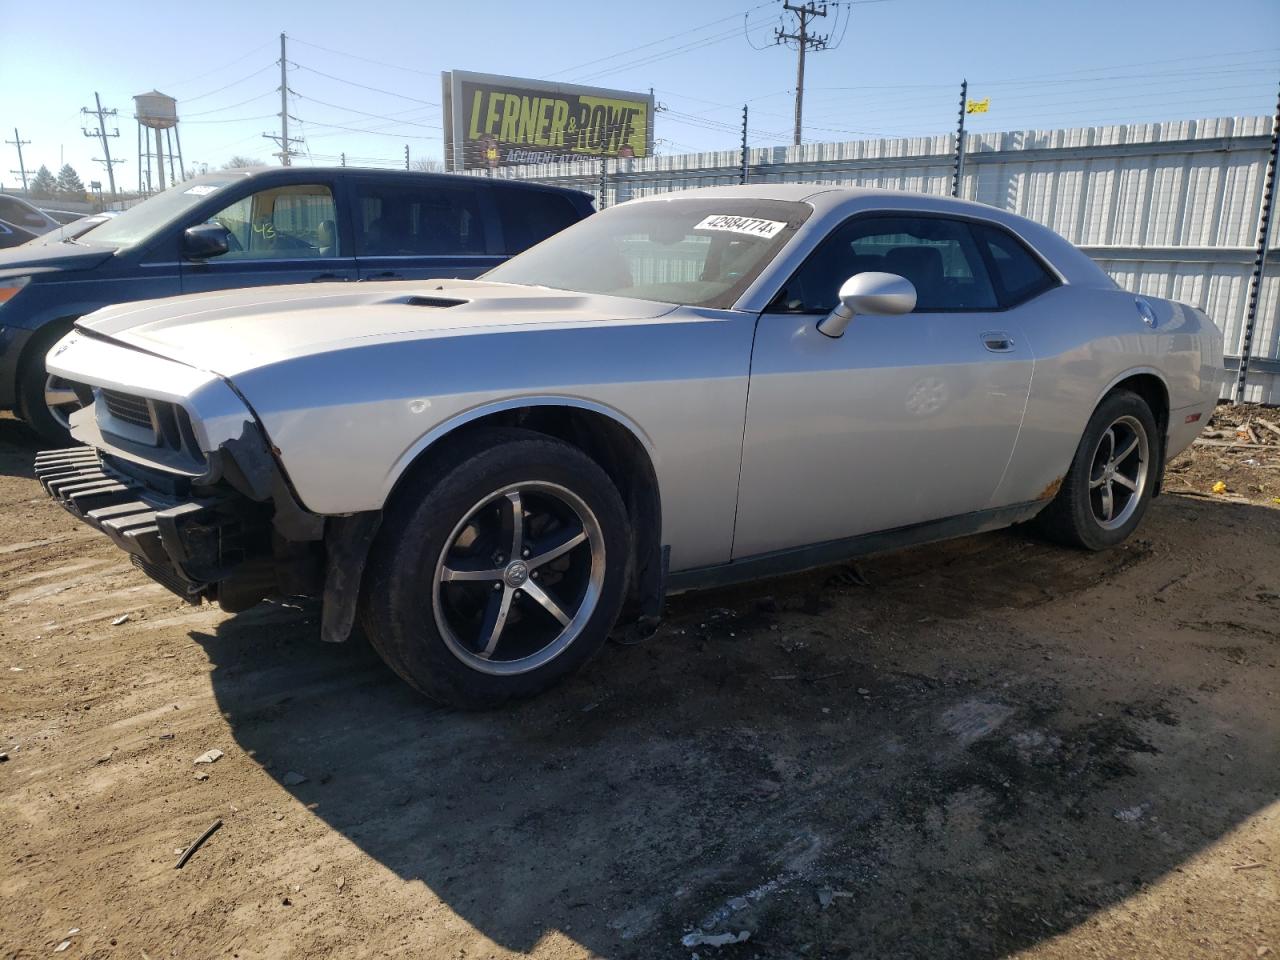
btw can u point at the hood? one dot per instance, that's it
(39, 257)
(236, 330)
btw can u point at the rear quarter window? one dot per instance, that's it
(530, 216)
(1017, 272)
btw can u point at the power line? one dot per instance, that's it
(366, 113)
(227, 86)
(209, 73)
(653, 43)
(362, 86)
(203, 113)
(668, 54)
(380, 63)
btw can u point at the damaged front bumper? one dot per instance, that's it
(177, 471)
(215, 547)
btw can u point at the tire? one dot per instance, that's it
(1077, 515)
(32, 380)
(460, 620)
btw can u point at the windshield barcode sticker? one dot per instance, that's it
(752, 226)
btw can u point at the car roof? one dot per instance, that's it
(831, 201)
(414, 176)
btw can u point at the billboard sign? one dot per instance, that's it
(493, 121)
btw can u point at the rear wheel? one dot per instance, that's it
(502, 572)
(1109, 485)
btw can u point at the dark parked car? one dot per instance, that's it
(11, 236)
(241, 228)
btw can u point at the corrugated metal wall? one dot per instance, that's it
(1168, 209)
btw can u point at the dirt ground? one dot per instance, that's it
(986, 748)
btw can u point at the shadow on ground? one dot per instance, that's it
(916, 765)
(18, 447)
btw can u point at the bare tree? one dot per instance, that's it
(429, 165)
(239, 161)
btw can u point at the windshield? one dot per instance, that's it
(693, 252)
(142, 220)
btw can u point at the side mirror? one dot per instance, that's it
(205, 240)
(879, 293)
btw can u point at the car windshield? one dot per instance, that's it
(142, 220)
(693, 252)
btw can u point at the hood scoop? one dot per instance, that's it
(439, 302)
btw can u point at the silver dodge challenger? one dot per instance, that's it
(487, 477)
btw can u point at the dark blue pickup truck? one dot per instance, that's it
(241, 228)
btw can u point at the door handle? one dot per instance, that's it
(997, 341)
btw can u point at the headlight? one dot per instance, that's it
(10, 286)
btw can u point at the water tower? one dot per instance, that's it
(157, 112)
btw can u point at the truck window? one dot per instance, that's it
(530, 216)
(402, 219)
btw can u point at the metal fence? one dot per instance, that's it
(1167, 209)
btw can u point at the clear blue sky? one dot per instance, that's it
(895, 73)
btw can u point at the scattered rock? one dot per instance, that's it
(1131, 814)
(697, 939)
(123, 618)
(825, 897)
(4, 758)
(292, 778)
(166, 736)
(864, 692)
(202, 775)
(209, 756)
(62, 946)
(342, 882)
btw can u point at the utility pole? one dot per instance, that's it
(283, 140)
(742, 174)
(959, 166)
(103, 136)
(804, 41)
(1266, 216)
(18, 142)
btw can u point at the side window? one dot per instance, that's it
(1018, 275)
(404, 220)
(938, 256)
(283, 222)
(530, 216)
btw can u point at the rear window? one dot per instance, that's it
(530, 216)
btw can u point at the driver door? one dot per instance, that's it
(284, 234)
(903, 419)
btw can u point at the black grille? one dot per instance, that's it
(127, 407)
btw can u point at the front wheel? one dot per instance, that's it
(45, 401)
(1109, 485)
(501, 571)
